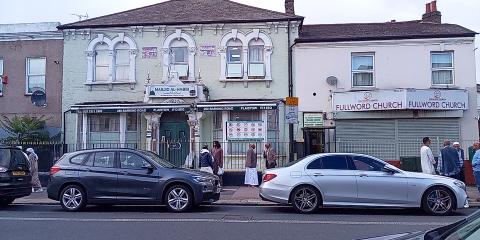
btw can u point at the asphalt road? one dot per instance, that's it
(210, 222)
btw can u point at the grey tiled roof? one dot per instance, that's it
(380, 31)
(176, 12)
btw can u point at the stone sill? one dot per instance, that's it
(444, 86)
(110, 84)
(246, 81)
(363, 89)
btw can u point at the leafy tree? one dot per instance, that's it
(25, 128)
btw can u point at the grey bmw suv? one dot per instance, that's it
(127, 176)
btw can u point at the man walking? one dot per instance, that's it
(447, 161)
(426, 157)
(33, 159)
(476, 165)
(270, 156)
(461, 158)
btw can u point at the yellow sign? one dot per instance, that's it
(291, 101)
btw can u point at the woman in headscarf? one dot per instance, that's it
(33, 159)
(217, 154)
(251, 175)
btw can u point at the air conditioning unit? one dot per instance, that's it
(256, 70)
(234, 70)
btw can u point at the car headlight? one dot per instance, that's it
(203, 180)
(2, 170)
(461, 185)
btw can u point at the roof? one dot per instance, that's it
(380, 31)
(178, 12)
(30, 31)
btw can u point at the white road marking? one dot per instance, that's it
(186, 220)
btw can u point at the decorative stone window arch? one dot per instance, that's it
(173, 40)
(121, 39)
(255, 39)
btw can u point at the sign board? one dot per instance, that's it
(246, 130)
(291, 110)
(127, 110)
(208, 50)
(312, 120)
(173, 91)
(400, 99)
(235, 108)
(149, 52)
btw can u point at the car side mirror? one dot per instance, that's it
(389, 169)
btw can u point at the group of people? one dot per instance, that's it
(449, 162)
(211, 161)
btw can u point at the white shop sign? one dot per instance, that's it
(246, 130)
(400, 99)
(173, 91)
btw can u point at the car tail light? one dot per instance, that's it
(269, 176)
(54, 169)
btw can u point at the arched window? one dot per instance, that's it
(256, 60)
(122, 62)
(179, 58)
(234, 58)
(102, 62)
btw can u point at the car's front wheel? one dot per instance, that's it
(305, 199)
(178, 198)
(438, 201)
(73, 198)
(6, 201)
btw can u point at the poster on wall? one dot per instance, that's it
(245, 130)
(149, 52)
(208, 50)
(312, 120)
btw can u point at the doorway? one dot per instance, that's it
(314, 141)
(174, 137)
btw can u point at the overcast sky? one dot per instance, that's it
(462, 12)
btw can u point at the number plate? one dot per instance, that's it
(18, 173)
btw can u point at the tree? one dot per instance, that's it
(25, 128)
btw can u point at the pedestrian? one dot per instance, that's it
(270, 156)
(206, 160)
(217, 154)
(426, 157)
(447, 161)
(33, 159)
(251, 175)
(476, 165)
(461, 159)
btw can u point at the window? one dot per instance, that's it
(363, 70)
(102, 63)
(35, 74)
(367, 164)
(122, 62)
(132, 122)
(256, 67)
(272, 119)
(442, 68)
(234, 59)
(338, 162)
(104, 122)
(180, 61)
(104, 159)
(245, 116)
(132, 161)
(315, 164)
(1, 77)
(78, 159)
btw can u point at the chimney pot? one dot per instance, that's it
(434, 6)
(428, 7)
(432, 15)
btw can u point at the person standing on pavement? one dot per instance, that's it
(447, 161)
(476, 165)
(426, 157)
(461, 158)
(33, 159)
(270, 156)
(217, 154)
(206, 160)
(251, 175)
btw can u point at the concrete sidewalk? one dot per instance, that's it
(233, 195)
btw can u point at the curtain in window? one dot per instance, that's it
(102, 62)
(255, 54)
(179, 55)
(442, 77)
(122, 61)
(442, 60)
(362, 79)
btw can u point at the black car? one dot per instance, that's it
(15, 177)
(127, 176)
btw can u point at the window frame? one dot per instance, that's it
(433, 69)
(94, 156)
(346, 158)
(102, 116)
(354, 167)
(137, 155)
(116, 65)
(353, 72)
(28, 75)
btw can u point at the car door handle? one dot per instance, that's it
(362, 175)
(317, 174)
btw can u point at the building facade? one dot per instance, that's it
(31, 59)
(171, 82)
(379, 88)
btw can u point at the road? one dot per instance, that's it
(210, 222)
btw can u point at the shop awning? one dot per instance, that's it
(128, 107)
(246, 105)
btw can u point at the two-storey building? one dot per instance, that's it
(31, 58)
(174, 75)
(379, 88)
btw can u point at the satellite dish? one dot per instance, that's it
(332, 80)
(39, 98)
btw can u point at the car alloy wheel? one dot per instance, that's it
(305, 200)
(72, 198)
(178, 198)
(439, 201)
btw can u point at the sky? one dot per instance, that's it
(462, 12)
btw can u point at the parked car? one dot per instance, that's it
(127, 176)
(343, 179)
(15, 178)
(465, 229)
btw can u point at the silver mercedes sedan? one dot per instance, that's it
(356, 180)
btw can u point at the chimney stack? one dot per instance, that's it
(290, 7)
(432, 15)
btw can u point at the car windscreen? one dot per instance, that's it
(158, 159)
(5, 156)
